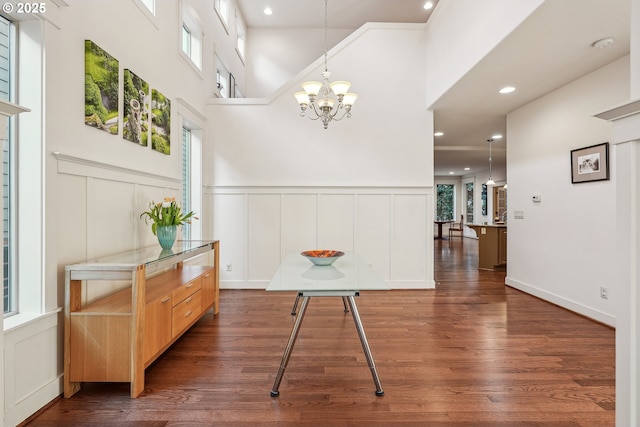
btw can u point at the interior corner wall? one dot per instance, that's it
(562, 250)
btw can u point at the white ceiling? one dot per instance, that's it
(549, 50)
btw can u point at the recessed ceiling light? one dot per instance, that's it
(507, 89)
(467, 169)
(497, 136)
(451, 173)
(428, 5)
(438, 134)
(602, 43)
(268, 11)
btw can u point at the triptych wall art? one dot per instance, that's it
(146, 111)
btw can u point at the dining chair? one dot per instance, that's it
(457, 227)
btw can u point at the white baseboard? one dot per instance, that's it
(563, 302)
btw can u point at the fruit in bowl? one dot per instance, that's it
(322, 256)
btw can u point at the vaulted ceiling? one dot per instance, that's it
(553, 47)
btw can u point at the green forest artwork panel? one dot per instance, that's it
(135, 127)
(160, 122)
(100, 88)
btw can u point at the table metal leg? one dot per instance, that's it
(295, 305)
(287, 350)
(344, 302)
(365, 345)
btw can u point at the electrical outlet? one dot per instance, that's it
(603, 292)
(228, 266)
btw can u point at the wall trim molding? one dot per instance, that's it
(72, 165)
(288, 189)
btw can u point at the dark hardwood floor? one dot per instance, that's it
(472, 352)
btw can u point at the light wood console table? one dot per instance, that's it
(114, 337)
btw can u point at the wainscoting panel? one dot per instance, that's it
(373, 231)
(258, 226)
(409, 247)
(336, 221)
(264, 223)
(299, 222)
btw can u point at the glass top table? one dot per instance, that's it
(345, 278)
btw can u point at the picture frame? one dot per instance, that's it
(589, 164)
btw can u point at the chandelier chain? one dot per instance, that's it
(326, 45)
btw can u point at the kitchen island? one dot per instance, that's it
(492, 250)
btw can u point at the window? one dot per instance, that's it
(192, 136)
(241, 37)
(8, 175)
(222, 8)
(186, 179)
(191, 37)
(151, 5)
(469, 202)
(444, 201)
(186, 41)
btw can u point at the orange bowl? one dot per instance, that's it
(322, 256)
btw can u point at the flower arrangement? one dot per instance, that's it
(167, 212)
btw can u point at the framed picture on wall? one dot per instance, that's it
(590, 164)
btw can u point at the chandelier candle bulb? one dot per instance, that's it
(340, 87)
(312, 88)
(349, 99)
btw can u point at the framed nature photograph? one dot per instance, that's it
(100, 88)
(136, 109)
(590, 164)
(160, 122)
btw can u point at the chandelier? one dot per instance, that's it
(325, 100)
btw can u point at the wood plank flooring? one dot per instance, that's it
(472, 352)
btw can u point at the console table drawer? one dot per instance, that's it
(185, 290)
(186, 313)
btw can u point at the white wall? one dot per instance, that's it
(281, 182)
(564, 248)
(275, 56)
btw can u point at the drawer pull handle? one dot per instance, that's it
(189, 285)
(207, 275)
(188, 314)
(188, 300)
(165, 299)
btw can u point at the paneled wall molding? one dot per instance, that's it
(265, 189)
(390, 227)
(72, 165)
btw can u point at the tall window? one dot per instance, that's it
(469, 202)
(241, 40)
(191, 37)
(8, 176)
(186, 179)
(444, 201)
(222, 7)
